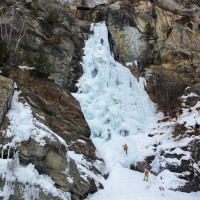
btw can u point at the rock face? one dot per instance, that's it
(49, 159)
(55, 107)
(6, 91)
(45, 35)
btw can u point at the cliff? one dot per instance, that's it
(41, 50)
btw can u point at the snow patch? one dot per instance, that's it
(25, 67)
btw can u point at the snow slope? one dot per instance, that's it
(119, 111)
(125, 184)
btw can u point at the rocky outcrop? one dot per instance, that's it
(52, 102)
(51, 160)
(42, 55)
(6, 91)
(45, 36)
(55, 107)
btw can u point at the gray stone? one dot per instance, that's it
(6, 91)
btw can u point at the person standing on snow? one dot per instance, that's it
(101, 41)
(146, 175)
(125, 148)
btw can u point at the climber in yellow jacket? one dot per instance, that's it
(146, 175)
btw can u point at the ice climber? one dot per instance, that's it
(102, 41)
(126, 148)
(146, 175)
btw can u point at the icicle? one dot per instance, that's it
(154, 79)
(156, 165)
(8, 156)
(16, 159)
(2, 151)
(136, 63)
(29, 192)
(8, 189)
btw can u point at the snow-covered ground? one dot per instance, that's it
(119, 111)
(126, 184)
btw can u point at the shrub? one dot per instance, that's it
(52, 18)
(39, 61)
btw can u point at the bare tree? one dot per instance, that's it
(9, 39)
(21, 35)
(5, 22)
(11, 28)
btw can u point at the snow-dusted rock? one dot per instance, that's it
(48, 149)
